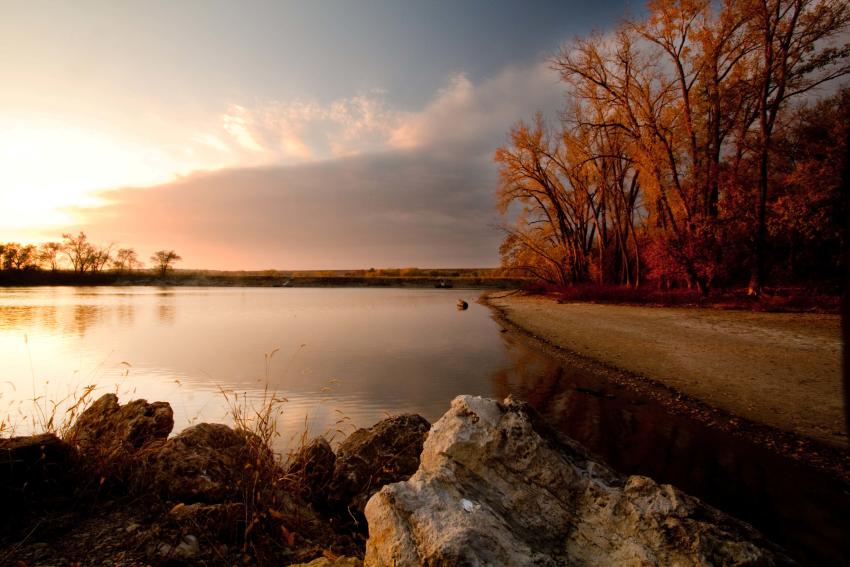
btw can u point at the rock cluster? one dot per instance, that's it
(208, 462)
(495, 486)
(370, 458)
(491, 484)
(108, 428)
(34, 471)
(205, 488)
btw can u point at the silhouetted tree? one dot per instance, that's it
(14, 256)
(48, 254)
(81, 253)
(126, 260)
(163, 260)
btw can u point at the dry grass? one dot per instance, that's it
(43, 415)
(276, 522)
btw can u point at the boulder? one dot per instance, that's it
(497, 487)
(35, 472)
(370, 458)
(108, 428)
(311, 469)
(225, 522)
(113, 441)
(328, 562)
(208, 462)
(34, 464)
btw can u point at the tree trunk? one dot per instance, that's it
(757, 268)
(845, 300)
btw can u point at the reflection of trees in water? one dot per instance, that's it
(637, 436)
(19, 317)
(166, 311)
(126, 314)
(68, 319)
(83, 317)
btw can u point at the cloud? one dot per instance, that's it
(477, 117)
(398, 208)
(461, 114)
(352, 183)
(299, 131)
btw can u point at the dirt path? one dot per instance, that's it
(780, 369)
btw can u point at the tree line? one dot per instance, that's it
(690, 151)
(77, 253)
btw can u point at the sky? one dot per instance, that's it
(288, 135)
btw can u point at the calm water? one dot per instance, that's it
(344, 358)
(352, 353)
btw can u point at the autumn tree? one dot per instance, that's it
(551, 236)
(805, 210)
(665, 152)
(164, 259)
(794, 55)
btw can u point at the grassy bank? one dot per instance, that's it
(783, 299)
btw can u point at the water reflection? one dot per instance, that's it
(84, 317)
(349, 357)
(804, 510)
(27, 317)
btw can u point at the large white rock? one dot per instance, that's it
(497, 487)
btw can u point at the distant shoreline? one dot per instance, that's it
(281, 279)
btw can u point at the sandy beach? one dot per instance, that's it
(779, 369)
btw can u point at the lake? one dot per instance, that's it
(357, 354)
(345, 358)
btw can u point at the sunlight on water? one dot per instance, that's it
(359, 353)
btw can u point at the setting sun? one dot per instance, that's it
(47, 169)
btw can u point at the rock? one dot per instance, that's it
(327, 562)
(34, 464)
(224, 522)
(370, 458)
(107, 429)
(311, 469)
(208, 462)
(183, 551)
(34, 471)
(496, 487)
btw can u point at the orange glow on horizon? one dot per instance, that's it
(46, 169)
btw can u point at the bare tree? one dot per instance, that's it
(48, 254)
(101, 257)
(126, 260)
(14, 256)
(81, 253)
(163, 260)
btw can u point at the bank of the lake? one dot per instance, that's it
(492, 484)
(770, 378)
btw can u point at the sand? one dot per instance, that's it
(779, 369)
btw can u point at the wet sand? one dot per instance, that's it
(779, 369)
